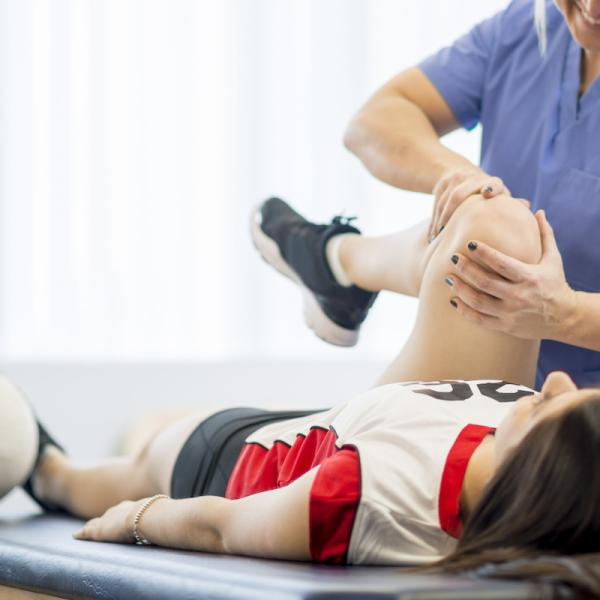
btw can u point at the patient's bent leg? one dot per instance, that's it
(444, 345)
(391, 262)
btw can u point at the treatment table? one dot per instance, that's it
(40, 560)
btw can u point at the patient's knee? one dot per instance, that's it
(502, 222)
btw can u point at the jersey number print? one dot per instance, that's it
(461, 390)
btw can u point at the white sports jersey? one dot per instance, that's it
(391, 467)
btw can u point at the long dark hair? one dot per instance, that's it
(539, 516)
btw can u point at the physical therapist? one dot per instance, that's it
(529, 75)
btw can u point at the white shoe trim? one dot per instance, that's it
(314, 315)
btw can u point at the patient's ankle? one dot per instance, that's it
(49, 476)
(334, 258)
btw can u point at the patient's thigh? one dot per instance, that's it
(161, 451)
(146, 427)
(445, 345)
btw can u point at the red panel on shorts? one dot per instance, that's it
(454, 474)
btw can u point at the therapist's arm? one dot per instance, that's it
(396, 134)
(581, 325)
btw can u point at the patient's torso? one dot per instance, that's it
(392, 463)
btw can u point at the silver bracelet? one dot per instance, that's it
(139, 539)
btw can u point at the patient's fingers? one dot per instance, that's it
(115, 525)
(478, 301)
(89, 530)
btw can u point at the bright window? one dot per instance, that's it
(136, 135)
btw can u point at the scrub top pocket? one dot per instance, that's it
(572, 204)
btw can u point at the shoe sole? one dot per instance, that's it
(314, 316)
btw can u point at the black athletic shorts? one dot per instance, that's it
(209, 455)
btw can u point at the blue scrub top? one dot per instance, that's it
(538, 137)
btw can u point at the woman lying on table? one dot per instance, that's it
(451, 458)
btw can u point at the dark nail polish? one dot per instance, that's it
(488, 190)
(453, 302)
(454, 259)
(449, 281)
(441, 229)
(472, 246)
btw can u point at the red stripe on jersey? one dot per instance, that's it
(259, 469)
(334, 500)
(454, 474)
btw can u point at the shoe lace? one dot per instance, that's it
(342, 220)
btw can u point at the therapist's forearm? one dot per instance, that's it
(398, 144)
(581, 325)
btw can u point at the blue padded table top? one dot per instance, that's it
(37, 553)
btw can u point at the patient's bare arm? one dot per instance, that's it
(271, 524)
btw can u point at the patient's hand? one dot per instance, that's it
(455, 187)
(115, 525)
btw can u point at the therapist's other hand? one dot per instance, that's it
(520, 299)
(455, 187)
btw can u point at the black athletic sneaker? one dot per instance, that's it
(44, 439)
(296, 248)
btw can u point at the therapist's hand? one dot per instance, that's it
(455, 187)
(520, 299)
